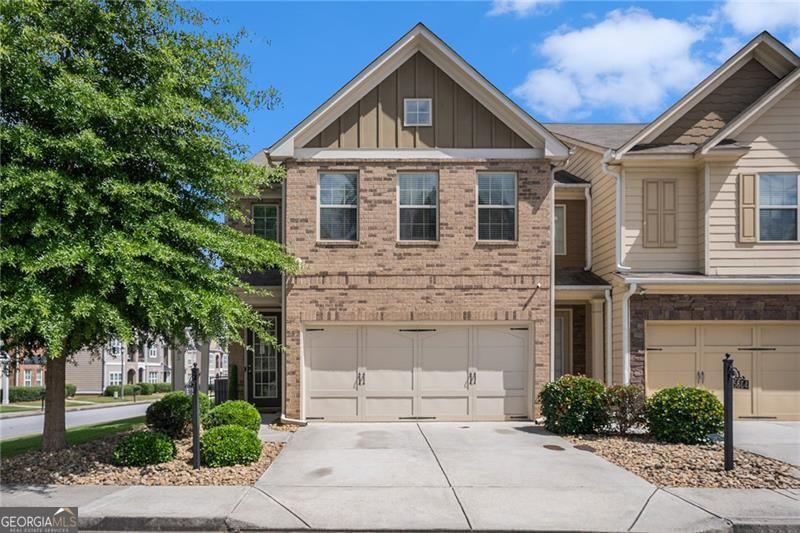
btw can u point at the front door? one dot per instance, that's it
(264, 367)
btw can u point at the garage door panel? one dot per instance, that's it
(336, 408)
(500, 362)
(488, 407)
(738, 335)
(712, 378)
(387, 407)
(778, 391)
(388, 361)
(780, 336)
(454, 407)
(659, 335)
(667, 368)
(444, 360)
(333, 360)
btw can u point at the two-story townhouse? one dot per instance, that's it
(419, 199)
(695, 227)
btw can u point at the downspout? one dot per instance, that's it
(618, 212)
(626, 340)
(587, 194)
(552, 272)
(609, 344)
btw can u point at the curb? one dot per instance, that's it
(39, 412)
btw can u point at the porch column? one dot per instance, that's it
(597, 340)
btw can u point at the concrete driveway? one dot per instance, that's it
(778, 440)
(456, 476)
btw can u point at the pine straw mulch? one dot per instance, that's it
(681, 465)
(90, 464)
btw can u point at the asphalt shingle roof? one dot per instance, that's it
(604, 135)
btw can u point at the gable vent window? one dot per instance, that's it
(417, 112)
(338, 206)
(418, 198)
(778, 207)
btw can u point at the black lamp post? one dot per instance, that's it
(195, 418)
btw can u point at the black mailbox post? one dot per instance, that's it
(727, 396)
(195, 419)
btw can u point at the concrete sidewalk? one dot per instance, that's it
(138, 508)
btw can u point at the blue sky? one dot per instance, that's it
(566, 61)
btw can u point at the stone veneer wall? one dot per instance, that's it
(701, 307)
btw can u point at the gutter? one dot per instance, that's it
(626, 340)
(609, 368)
(618, 212)
(581, 287)
(713, 281)
(587, 194)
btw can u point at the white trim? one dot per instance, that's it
(581, 287)
(552, 284)
(400, 207)
(608, 340)
(710, 280)
(573, 185)
(626, 332)
(420, 39)
(706, 219)
(795, 208)
(618, 193)
(420, 154)
(478, 207)
(756, 110)
(705, 87)
(563, 207)
(420, 124)
(587, 198)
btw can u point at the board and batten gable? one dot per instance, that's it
(774, 141)
(458, 119)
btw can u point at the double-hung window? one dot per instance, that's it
(39, 376)
(338, 206)
(778, 207)
(28, 377)
(115, 378)
(417, 112)
(560, 230)
(152, 377)
(265, 222)
(418, 200)
(497, 206)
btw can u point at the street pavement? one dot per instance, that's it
(29, 425)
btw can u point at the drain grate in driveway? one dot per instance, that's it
(554, 447)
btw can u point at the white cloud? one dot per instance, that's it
(727, 47)
(794, 43)
(521, 8)
(748, 16)
(629, 62)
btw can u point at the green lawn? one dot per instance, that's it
(37, 404)
(77, 435)
(13, 408)
(98, 398)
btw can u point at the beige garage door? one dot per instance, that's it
(377, 373)
(691, 354)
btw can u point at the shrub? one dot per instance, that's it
(70, 389)
(146, 389)
(142, 448)
(625, 407)
(25, 394)
(573, 405)
(236, 413)
(228, 446)
(172, 414)
(685, 415)
(163, 387)
(129, 390)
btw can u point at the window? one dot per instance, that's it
(152, 351)
(417, 112)
(497, 211)
(338, 206)
(778, 207)
(560, 230)
(418, 199)
(116, 348)
(28, 378)
(152, 377)
(115, 378)
(265, 222)
(39, 377)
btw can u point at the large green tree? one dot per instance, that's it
(119, 166)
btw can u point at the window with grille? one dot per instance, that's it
(497, 206)
(418, 206)
(265, 222)
(338, 206)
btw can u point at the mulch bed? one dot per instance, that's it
(90, 464)
(288, 428)
(680, 465)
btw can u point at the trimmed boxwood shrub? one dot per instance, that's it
(163, 387)
(146, 389)
(129, 390)
(573, 405)
(24, 394)
(685, 415)
(228, 446)
(142, 448)
(625, 407)
(70, 389)
(172, 414)
(235, 412)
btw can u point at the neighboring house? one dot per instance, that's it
(26, 372)
(457, 255)
(695, 226)
(93, 370)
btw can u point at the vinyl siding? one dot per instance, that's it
(681, 258)
(617, 295)
(576, 235)
(459, 121)
(86, 373)
(774, 140)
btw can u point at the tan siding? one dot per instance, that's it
(86, 373)
(682, 257)
(774, 141)
(712, 113)
(576, 235)
(616, 328)
(459, 121)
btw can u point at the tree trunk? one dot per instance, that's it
(55, 437)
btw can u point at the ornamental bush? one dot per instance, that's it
(625, 407)
(129, 390)
(235, 412)
(70, 390)
(228, 446)
(685, 415)
(172, 414)
(573, 405)
(25, 394)
(146, 389)
(142, 448)
(163, 387)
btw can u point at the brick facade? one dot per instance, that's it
(455, 279)
(701, 307)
